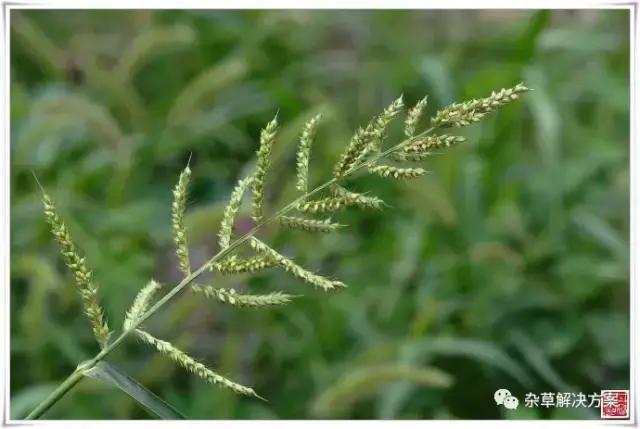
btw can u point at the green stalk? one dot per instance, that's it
(77, 375)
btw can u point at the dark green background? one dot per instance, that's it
(506, 267)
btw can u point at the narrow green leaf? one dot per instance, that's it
(112, 375)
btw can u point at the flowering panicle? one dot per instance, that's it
(228, 219)
(190, 364)
(413, 117)
(363, 151)
(235, 265)
(397, 172)
(140, 304)
(468, 112)
(309, 225)
(429, 143)
(81, 273)
(267, 139)
(304, 153)
(232, 297)
(178, 209)
(295, 269)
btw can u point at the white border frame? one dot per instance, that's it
(632, 6)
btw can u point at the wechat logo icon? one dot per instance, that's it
(503, 397)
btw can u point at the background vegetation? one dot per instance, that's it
(507, 267)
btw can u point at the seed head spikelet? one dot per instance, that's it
(397, 172)
(413, 117)
(430, 143)
(267, 139)
(295, 269)
(236, 265)
(367, 140)
(178, 209)
(410, 157)
(190, 364)
(357, 145)
(230, 296)
(82, 274)
(141, 303)
(471, 111)
(331, 204)
(304, 153)
(309, 225)
(380, 123)
(230, 211)
(342, 198)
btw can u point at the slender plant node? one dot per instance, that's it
(81, 273)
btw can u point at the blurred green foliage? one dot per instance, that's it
(507, 267)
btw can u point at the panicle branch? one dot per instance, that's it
(468, 112)
(82, 274)
(178, 209)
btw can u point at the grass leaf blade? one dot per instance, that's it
(112, 375)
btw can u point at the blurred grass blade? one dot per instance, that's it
(149, 44)
(112, 375)
(360, 383)
(203, 88)
(28, 398)
(534, 356)
(478, 350)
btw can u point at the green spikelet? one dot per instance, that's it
(228, 219)
(140, 304)
(356, 147)
(430, 143)
(295, 269)
(413, 117)
(82, 275)
(304, 153)
(309, 225)
(331, 204)
(235, 265)
(380, 123)
(367, 140)
(410, 157)
(190, 364)
(396, 172)
(178, 209)
(468, 112)
(359, 200)
(230, 296)
(267, 139)
(342, 198)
